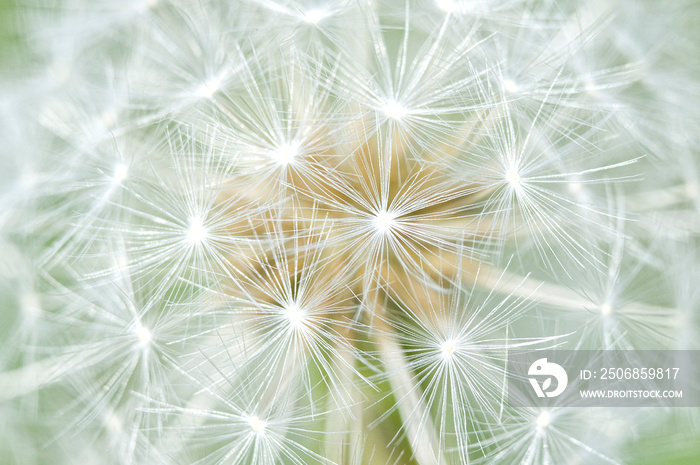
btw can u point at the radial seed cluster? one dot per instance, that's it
(310, 232)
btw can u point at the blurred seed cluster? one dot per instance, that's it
(309, 232)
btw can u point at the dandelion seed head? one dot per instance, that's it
(256, 424)
(286, 154)
(394, 110)
(448, 348)
(121, 171)
(384, 221)
(382, 266)
(197, 232)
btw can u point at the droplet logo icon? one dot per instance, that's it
(541, 368)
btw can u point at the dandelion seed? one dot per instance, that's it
(231, 435)
(290, 308)
(296, 316)
(465, 361)
(285, 154)
(448, 6)
(28, 179)
(462, 6)
(315, 16)
(257, 425)
(590, 88)
(510, 86)
(532, 163)
(197, 233)
(121, 171)
(448, 348)
(384, 222)
(143, 334)
(142, 6)
(108, 118)
(112, 355)
(513, 177)
(606, 309)
(114, 423)
(30, 305)
(209, 88)
(575, 188)
(544, 419)
(616, 310)
(531, 437)
(394, 110)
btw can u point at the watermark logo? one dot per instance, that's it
(603, 378)
(551, 370)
